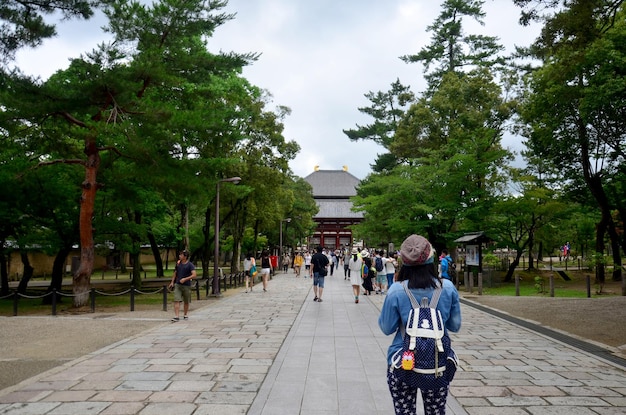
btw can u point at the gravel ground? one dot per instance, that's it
(32, 345)
(598, 319)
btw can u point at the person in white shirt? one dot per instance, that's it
(355, 265)
(307, 265)
(391, 264)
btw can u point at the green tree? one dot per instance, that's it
(102, 102)
(450, 49)
(394, 207)
(575, 105)
(453, 141)
(41, 210)
(517, 220)
(387, 109)
(447, 146)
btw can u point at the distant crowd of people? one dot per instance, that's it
(370, 271)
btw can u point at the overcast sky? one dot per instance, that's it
(319, 58)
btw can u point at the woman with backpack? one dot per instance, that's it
(418, 275)
(368, 273)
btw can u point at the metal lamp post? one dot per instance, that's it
(216, 254)
(280, 248)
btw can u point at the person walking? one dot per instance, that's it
(286, 261)
(418, 272)
(307, 265)
(248, 262)
(184, 272)
(298, 261)
(345, 260)
(319, 262)
(390, 268)
(266, 268)
(331, 261)
(441, 257)
(367, 272)
(355, 265)
(381, 276)
(446, 259)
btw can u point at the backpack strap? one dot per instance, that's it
(435, 298)
(414, 303)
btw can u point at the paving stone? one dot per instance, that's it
(143, 385)
(29, 408)
(121, 396)
(83, 408)
(163, 408)
(123, 408)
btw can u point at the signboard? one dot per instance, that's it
(472, 255)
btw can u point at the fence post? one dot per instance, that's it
(165, 298)
(15, 300)
(207, 287)
(466, 278)
(132, 298)
(480, 283)
(54, 301)
(551, 285)
(588, 286)
(197, 290)
(517, 285)
(92, 295)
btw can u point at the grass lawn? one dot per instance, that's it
(537, 283)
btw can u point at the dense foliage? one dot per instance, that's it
(153, 122)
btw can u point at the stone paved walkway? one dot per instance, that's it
(281, 353)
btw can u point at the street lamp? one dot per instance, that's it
(280, 248)
(216, 254)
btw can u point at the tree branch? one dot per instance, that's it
(60, 161)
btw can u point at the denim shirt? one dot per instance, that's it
(445, 265)
(397, 306)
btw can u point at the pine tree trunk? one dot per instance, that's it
(82, 277)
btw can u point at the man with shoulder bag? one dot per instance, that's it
(319, 262)
(184, 272)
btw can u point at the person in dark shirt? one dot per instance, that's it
(319, 262)
(184, 272)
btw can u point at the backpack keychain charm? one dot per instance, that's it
(408, 360)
